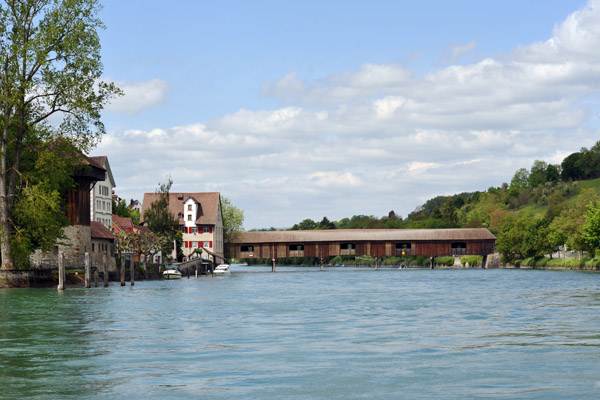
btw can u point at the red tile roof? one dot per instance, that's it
(99, 231)
(122, 223)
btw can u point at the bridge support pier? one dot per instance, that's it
(484, 261)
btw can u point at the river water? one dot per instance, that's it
(301, 333)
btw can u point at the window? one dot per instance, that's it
(348, 246)
(194, 244)
(180, 215)
(206, 229)
(207, 244)
(246, 248)
(189, 217)
(189, 207)
(195, 229)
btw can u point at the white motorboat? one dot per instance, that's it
(222, 269)
(172, 272)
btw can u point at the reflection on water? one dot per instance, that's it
(303, 333)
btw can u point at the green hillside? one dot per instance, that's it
(542, 210)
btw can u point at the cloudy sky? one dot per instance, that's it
(307, 109)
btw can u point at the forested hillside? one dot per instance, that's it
(543, 209)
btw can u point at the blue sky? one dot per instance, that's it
(307, 109)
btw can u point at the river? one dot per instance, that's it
(302, 333)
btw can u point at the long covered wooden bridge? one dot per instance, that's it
(373, 242)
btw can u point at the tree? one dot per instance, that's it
(233, 223)
(50, 86)
(537, 175)
(158, 218)
(306, 225)
(591, 228)
(520, 179)
(571, 168)
(122, 210)
(326, 224)
(552, 174)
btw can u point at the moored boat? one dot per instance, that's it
(172, 272)
(222, 269)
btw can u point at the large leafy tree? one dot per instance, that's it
(233, 223)
(591, 228)
(50, 83)
(159, 219)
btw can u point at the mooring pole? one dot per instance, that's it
(432, 259)
(321, 263)
(105, 268)
(88, 269)
(96, 276)
(61, 270)
(273, 265)
(122, 270)
(375, 262)
(132, 269)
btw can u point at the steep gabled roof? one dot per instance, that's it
(207, 212)
(102, 161)
(122, 223)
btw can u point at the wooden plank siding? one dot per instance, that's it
(322, 244)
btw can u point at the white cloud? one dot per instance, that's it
(138, 96)
(457, 52)
(379, 138)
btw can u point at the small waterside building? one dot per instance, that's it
(372, 242)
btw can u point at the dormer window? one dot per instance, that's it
(180, 215)
(189, 207)
(189, 217)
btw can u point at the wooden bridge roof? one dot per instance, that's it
(358, 235)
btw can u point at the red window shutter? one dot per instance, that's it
(210, 244)
(187, 229)
(211, 233)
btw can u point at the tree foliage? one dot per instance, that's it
(159, 219)
(50, 87)
(233, 223)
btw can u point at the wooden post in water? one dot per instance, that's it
(376, 262)
(273, 265)
(321, 263)
(132, 269)
(61, 270)
(122, 270)
(96, 276)
(432, 260)
(105, 268)
(88, 269)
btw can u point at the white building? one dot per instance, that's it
(101, 195)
